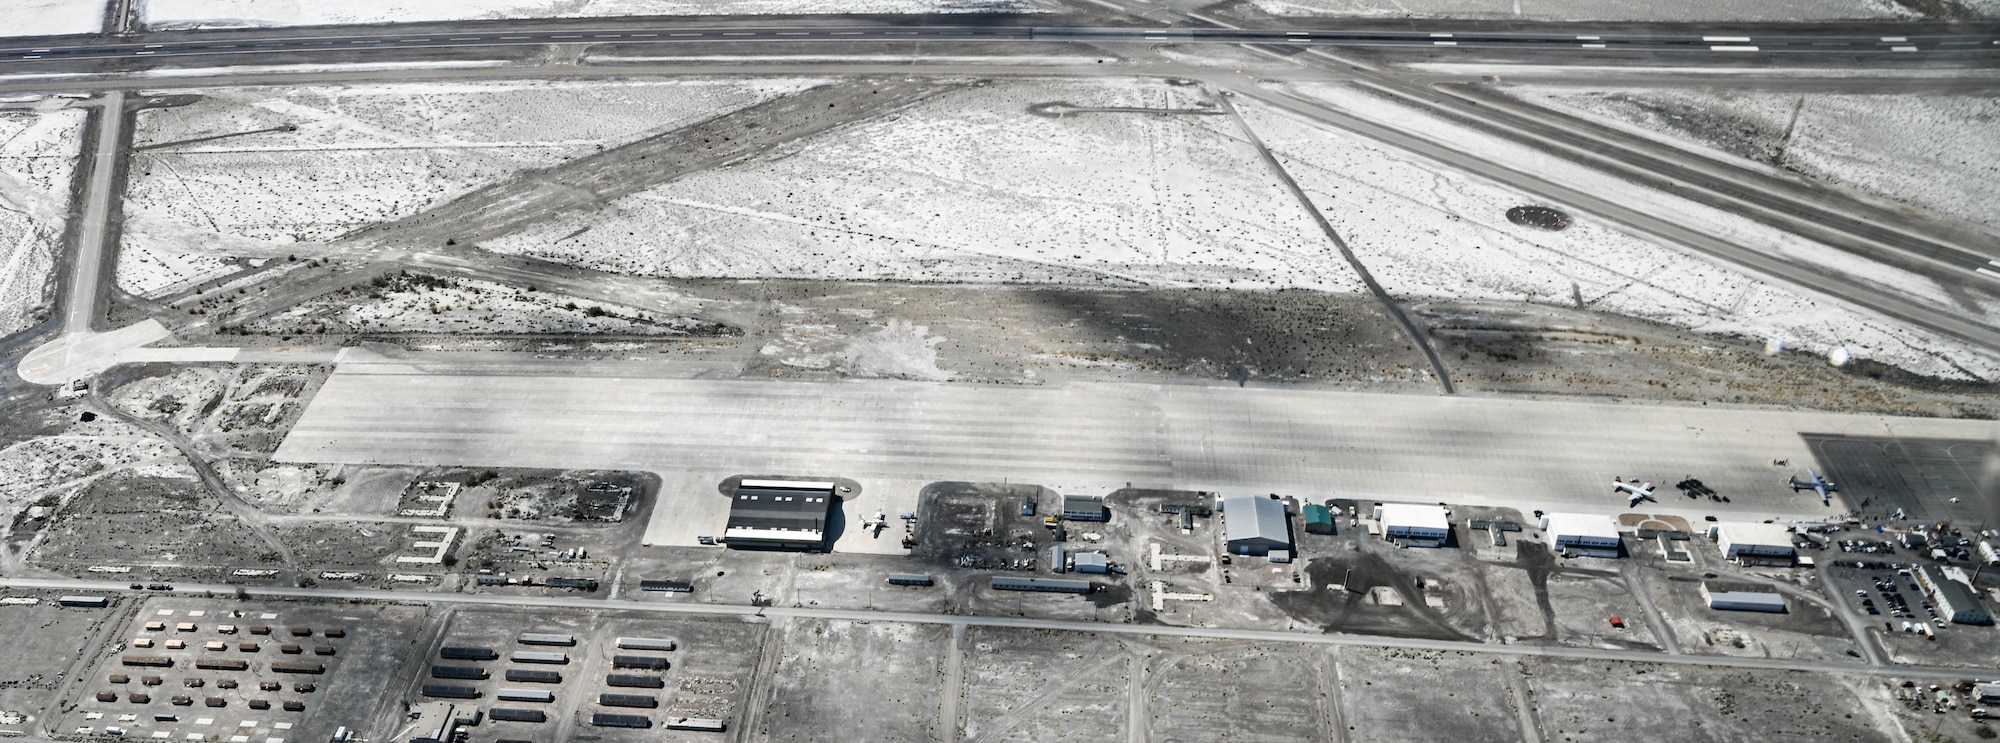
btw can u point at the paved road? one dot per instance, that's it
(1874, 233)
(87, 261)
(292, 42)
(1864, 229)
(1952, 322)
(861, 615)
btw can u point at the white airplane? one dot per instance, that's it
(1817, 483)
(1634, 490)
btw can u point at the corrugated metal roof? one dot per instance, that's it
(1255, 517)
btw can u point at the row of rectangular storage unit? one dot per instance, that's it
(467, 653)
(524, 675)
(629, 700)
(544, 677)
(220, 664)
(510, 714)
(457, 691)
(645, 643)
(139, 697)
(470, 673)
(217, 646)
(635, 681)
(645, 662)
(613, 720)
(255, 629)
(603, 719)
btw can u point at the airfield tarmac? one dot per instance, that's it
(1080, 437)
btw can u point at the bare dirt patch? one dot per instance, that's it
(838, 675)
(1526, 349)
(168, 524)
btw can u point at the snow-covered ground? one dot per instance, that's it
(1594, 10)
(1426, 231)
(52, 17)
(976, 186)
(359, 155)
(238, 13)
(38, 151)
(1934, 152)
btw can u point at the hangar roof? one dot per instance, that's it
(1588, 525)
(760, 509)
(1415, 515)
(1255, 517)
(1742, 532)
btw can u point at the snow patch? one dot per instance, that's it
(173, 14)
(38, 152)
(1424, 230)
(269, 172)
(52, 17)
(974, 186)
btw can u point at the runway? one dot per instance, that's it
(237, 45)
(1526, 454)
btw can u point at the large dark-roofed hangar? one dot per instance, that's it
(780, 515)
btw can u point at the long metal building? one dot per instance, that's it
(1041, 585)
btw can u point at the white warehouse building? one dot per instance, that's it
(1413, 525)
(1726, 597)
(1583, 534)
(1762, 544)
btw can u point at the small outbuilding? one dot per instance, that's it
(1255, 525)
(1319, 519)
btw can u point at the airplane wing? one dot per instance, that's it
(1633, 501)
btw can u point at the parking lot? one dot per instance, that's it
(1888, 598)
